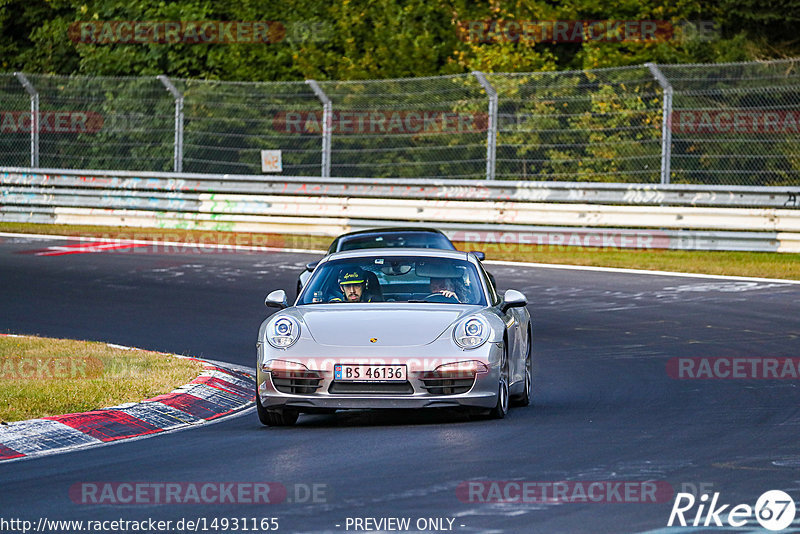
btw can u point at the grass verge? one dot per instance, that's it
(43, 376)
(757, 264)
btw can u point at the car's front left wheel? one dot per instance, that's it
(276, 416)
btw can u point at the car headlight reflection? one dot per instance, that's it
(283, 332)
(471, 333)
(287, 369)
(457, 370)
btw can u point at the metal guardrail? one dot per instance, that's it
(480, 212)
(586, 192)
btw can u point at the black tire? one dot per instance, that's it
(276, 416)
(501, 408)
(524, 399)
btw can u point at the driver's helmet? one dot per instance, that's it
(353, 275)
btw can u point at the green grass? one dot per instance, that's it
(42, 376)
(758, 264)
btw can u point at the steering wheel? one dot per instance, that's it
(438, 297)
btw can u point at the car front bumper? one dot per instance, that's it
(482, 393)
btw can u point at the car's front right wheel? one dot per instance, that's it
(501, 408)
(524, 399)
(276, 416)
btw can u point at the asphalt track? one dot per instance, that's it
(605, 407)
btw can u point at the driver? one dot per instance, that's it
(352, 282)
(445, 287)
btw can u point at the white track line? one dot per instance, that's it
(642, 271)
(489, 262)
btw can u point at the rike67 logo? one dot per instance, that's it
(774, 510)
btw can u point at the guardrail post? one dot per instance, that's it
(327, 126)
(177, 163)
(31, 90)
(666, 113)
(491, 136)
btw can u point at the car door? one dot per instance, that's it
(515, 322)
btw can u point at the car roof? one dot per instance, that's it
(385, 252)
(392, 229)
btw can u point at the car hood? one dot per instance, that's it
(355, 325)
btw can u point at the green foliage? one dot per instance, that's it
(360, 39)
(601, 125)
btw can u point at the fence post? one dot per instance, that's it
(327, 123)
(666, 119)
(491, 136)
(177, 163)
(31, 90)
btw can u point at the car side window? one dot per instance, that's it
(493, 296)
(334, 246)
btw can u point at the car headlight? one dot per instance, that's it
(471, 333)
(283, 332)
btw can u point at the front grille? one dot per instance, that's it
(296, 382)
(374, 388)
(437, 384)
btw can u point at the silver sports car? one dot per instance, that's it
(394, 328)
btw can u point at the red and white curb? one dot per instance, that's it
(218, 391)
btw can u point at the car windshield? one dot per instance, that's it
(395, 279)
(396, 239)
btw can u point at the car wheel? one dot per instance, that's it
(501, 408)
(276, 416)
(524, 399)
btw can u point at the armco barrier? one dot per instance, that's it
(683, 217)
(505, 190)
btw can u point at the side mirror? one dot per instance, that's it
(311, 266)
(276, 299)
(478, 254)
(513, 299)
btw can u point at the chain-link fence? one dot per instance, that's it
(602, 125)
(735, 123)
(227, 124)
(408, 128)
(731, 124)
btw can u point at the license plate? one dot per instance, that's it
(369, 373)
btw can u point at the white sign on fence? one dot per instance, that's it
(271, 161)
